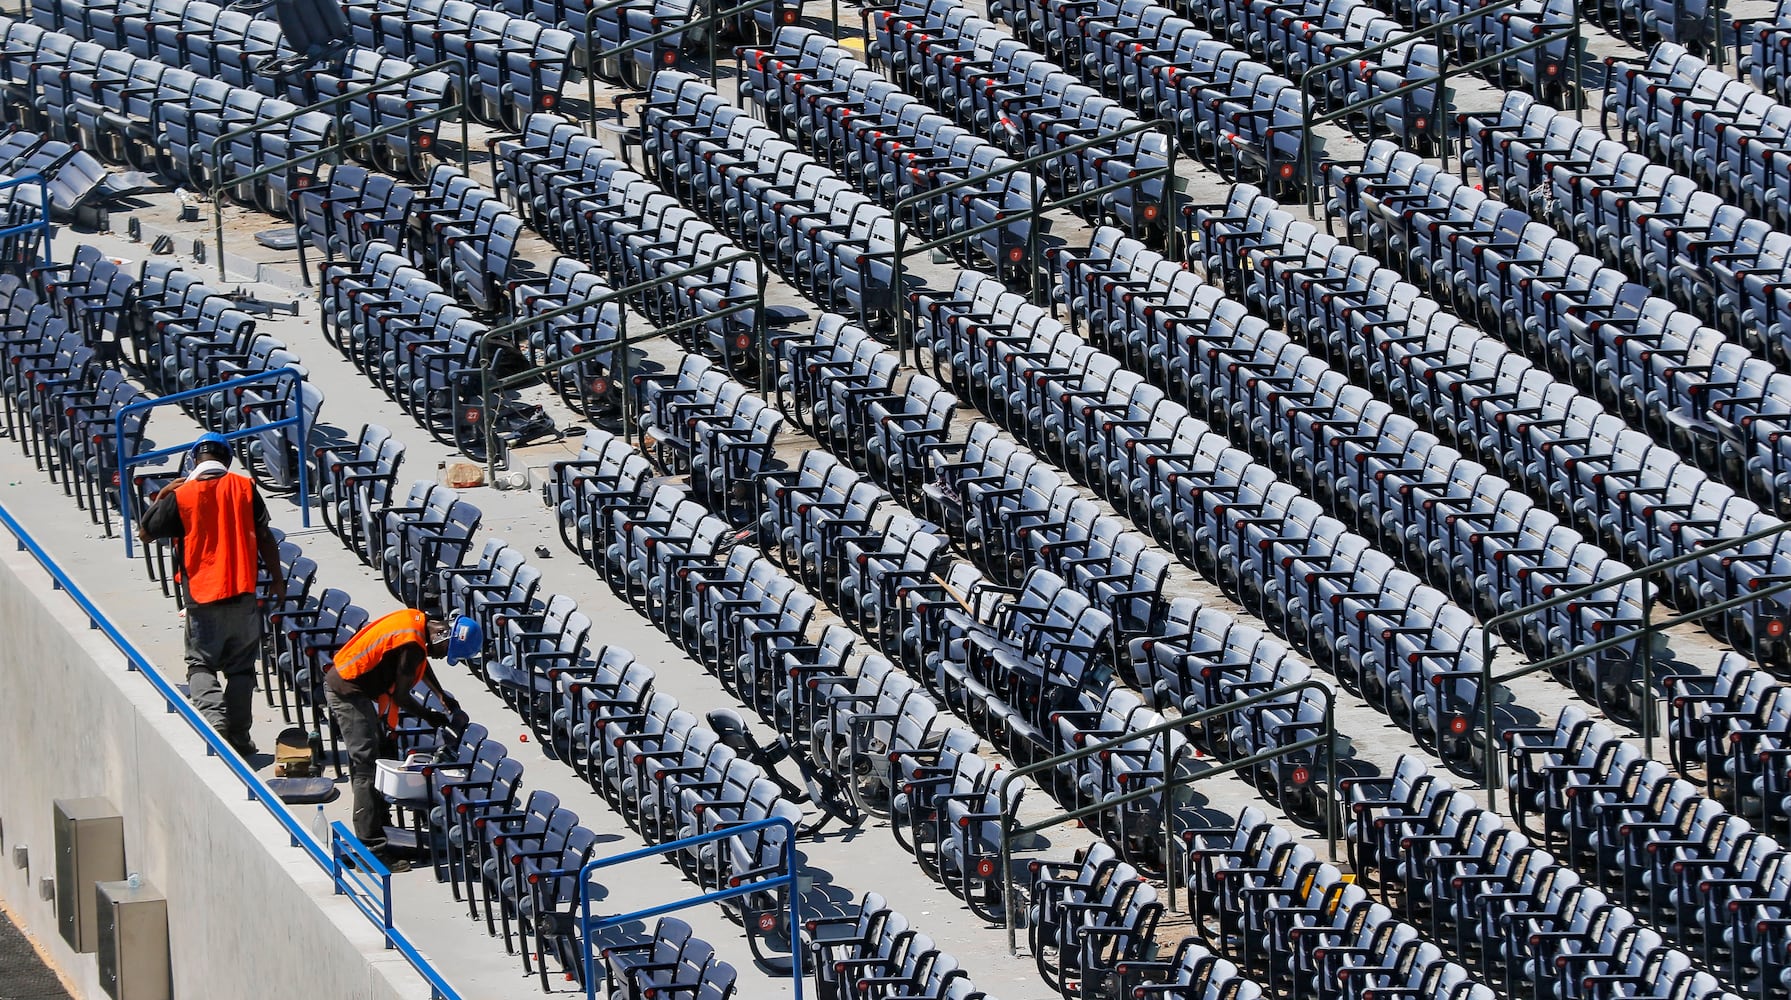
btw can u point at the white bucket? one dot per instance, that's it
(403, 781)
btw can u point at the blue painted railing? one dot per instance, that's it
(360, 876)
(329, 857)
(296, 419)
(43, 216)
(588, 928)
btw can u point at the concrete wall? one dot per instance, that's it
(250, 916)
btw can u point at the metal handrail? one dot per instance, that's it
(1714, 19)
(1327, 741)
(1434, 34)
(297, 419)
(324, 856)
(1035, 214)
(453, 67)
(1644, 634)
(591, 60)
(365, 872)
(788, 880)
(630, 46)
(620, 344)
(1760, 25)
(707, 22)
(43, 205)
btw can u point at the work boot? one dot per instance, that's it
(394, 862)
(244, 746)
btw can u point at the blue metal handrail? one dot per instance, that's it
(215, 746)
(587, 928)
(296, 419)
(43, 206)
(365, 873)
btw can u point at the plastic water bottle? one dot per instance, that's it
(320, 826)
(135, 881)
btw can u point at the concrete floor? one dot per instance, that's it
(843, 863)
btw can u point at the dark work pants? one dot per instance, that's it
(224, 640)
(363, 732)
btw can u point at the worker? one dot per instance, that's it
(371, 683)
(219, 524)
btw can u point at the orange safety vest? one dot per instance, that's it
(379, 637)
(219, 555)
(370, 645)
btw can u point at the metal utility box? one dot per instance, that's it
(89, 849)
(133, 941)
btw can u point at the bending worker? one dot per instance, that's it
(371, 683)
(219, 523)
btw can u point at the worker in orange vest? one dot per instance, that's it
(220, 526)
(371, 683)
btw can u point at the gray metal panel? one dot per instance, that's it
(133, 942)
(89, 849)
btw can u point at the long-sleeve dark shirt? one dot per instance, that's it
(393, 677)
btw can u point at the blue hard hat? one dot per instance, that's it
(211, 438)
(465, 639)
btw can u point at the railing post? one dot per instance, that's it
(709, 37)
(486, 430)
(1331, 803)
(217, 223)
(591, 68)
(1035, 275)
(1168, 845)
(466, 141)
(761, 334)
(628, 400)
(304, 454)
(1307, 180)
(795, 891)
(1168, 211)
(1440, 113)
(898, 299)
(43, 194)
(1006, 853)
(1488, 706)
(335, 866)
(1646, 653)
(1578, 80)
(584, 923)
